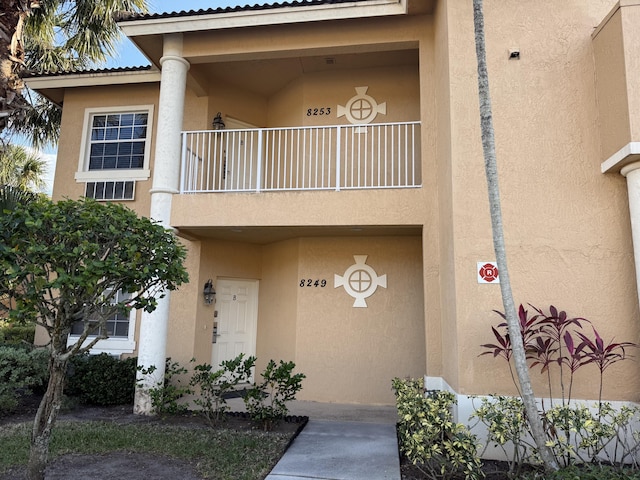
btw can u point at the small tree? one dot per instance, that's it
(11, 196)
(63, 263)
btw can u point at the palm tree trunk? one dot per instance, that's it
(14, 13)
(45, 419)
(491, 170)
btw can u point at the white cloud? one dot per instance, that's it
(50, 159)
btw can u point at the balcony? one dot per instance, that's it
(338, 157)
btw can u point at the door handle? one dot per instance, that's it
(215, 332)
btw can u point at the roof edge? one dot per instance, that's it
(285, 13)
(111, 76)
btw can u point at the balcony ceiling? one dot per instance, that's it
(268, 76)
(267, 235)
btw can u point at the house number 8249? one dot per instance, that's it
(310, 282)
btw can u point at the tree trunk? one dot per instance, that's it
(46, 419)
(491, 170)
(14, 13)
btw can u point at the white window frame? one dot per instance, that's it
(124, 199)
(112, 345)
(85, 175)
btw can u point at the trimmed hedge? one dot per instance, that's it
(16, 334)
(20, 371)
(101, 379)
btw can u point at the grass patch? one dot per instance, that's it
(216, 453)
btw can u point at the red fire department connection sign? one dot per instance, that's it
(488, 272)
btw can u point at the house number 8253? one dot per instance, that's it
(318, 111)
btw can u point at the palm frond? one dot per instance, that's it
(11, 196)
(60, 35)
(20, 168)
(39, 122)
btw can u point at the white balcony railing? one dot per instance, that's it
(303, 158)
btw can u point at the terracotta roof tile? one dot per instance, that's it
(141, 68)
(246, 8)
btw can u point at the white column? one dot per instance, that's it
(152, 344)
(632, 173)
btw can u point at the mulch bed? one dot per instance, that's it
(493, 470)
(124, 414)
(133, 466)
(145, 466)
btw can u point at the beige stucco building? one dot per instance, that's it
(342, 212)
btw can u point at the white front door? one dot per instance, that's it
(236, 320)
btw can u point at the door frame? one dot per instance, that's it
(253, 301)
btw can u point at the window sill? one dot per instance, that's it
(112, 346)
(138, 175)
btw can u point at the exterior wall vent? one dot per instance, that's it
(116, 190)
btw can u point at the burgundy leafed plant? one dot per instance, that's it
(603, 356)
(549, 339)
(575, 358)
(554, 326)
(503, 347)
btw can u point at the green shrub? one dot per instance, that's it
(16, 334)
(576, 434)
(266, 401)
(428, 436)
(20, 371)
(506, 423)
(166, 395)
(102, 379)
(213, 385)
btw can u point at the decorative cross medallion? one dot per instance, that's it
(360, 281)
(362, 108)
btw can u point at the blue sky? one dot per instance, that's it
(129, 56)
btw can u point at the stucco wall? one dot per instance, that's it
(566, 225)
(236, 102)
(611, 83)
(349, 354)
(446, 364)
(632, 60)
(397, 86)
(277, 309)
(186, 325)
(616, 51)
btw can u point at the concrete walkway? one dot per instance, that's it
(340, 442)
(335, 450)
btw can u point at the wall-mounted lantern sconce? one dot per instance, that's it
(209, 292)
(218, 124)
